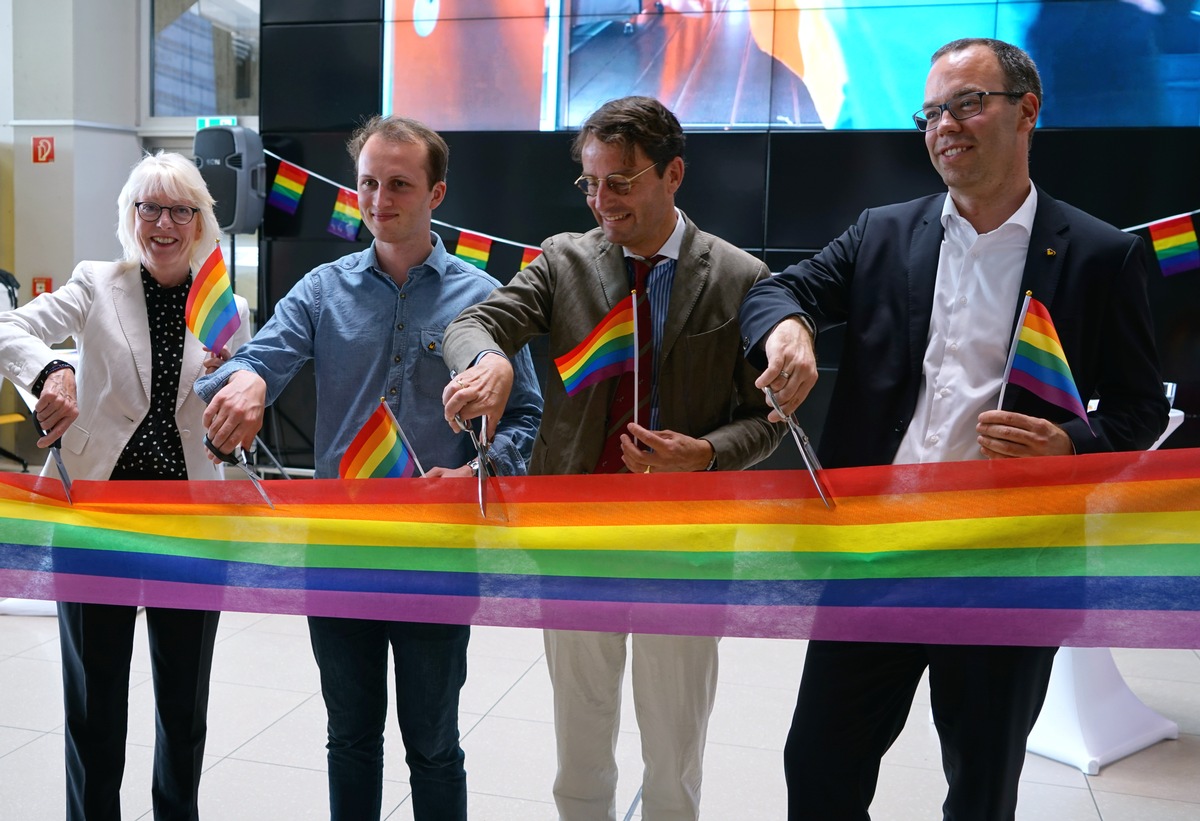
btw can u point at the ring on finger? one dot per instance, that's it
(786, 376)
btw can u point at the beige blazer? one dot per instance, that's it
(103, 308)
(706, 387)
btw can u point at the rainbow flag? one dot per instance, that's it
(1037, 362)
(1175, 244)
(1100, 550)
(474, 249)
(288, 187)
(346, 217)
(607, 351)
(528, 256)
(211, 312)
(380, 450)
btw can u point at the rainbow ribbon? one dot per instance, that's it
(1098, 550)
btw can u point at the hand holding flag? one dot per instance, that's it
(1037, 362)
(610, 349)
(380, 450)
(211, 312)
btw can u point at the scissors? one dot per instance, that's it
(484, 465)
(806, 449)
(56, 452)
(237, 458)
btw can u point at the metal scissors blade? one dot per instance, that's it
(56, 452)
(238, 459)
(802, 443)
(482, 459)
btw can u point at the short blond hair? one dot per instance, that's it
(179, 180)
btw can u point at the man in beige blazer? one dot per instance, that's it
(701, 413)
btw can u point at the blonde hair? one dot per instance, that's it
(178, 179)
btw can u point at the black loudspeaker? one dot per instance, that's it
(231, 160)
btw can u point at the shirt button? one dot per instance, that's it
(933, 440)
(944, 392)
(397, 358)
(404, 296)
(962, 300)
(954, 346)
(400, 327)
(392, 391)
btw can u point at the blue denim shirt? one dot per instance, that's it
(368, 339)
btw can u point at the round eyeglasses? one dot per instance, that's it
(180, 214)
(617, 183)
(962, 107)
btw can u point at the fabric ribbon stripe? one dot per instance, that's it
(1089, 551)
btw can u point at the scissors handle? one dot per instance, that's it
(230, 458)
(57, 443)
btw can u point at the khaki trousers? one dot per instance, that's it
(674, 685)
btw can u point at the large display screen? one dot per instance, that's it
(525, 65)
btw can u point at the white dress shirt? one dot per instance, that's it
(975, 299)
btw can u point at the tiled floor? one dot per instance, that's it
(265, 756)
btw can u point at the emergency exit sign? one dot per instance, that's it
(210, 122)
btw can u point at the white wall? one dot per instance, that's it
(75, 78)
(6, 135)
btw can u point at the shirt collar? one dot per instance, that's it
(1022, 217)
(670, 249)
(436, 263)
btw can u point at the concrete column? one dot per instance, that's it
(69, 70)
(75, 79)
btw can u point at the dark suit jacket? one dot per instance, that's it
(706, 388)
(878, 278)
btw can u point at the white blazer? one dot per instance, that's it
(103, 307)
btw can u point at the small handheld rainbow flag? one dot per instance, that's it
(610, 349)
(1037, 362)
(288, 187)
(529, 255)
(346, 217)
(1175, 245)
(211, 312)
(474, 249)
(380, 450)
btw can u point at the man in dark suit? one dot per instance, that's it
(698, 410)
(929, 291)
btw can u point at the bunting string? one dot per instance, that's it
(1095, 550)
(473, 246)
(1176, 250)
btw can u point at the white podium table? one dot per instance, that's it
(1091, 717)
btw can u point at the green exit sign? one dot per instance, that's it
(210, 122)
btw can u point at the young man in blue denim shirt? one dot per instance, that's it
(372, 324)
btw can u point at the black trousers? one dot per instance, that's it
(97, 644)
(853, 702)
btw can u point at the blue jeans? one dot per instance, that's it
(431, 667)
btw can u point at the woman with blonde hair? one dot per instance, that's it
(125, 410)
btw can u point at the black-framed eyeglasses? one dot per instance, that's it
(962, 107)
(617, 183)
(180, 214)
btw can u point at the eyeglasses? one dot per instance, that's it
(180, 214)
(617, 183)
(962, 107)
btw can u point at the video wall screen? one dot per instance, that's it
(521, 65)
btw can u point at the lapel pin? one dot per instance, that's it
(1050, 252)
